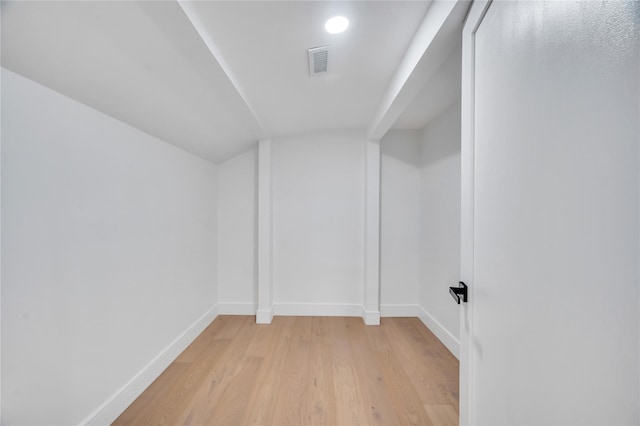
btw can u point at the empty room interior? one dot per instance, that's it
(320, 212)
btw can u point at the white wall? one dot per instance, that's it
(108, 253)
(237, 216)
(440, 225)
(318, 223)
(400, 222)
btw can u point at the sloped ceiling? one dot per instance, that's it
(212, 77)
(140, 62)
(439, 93)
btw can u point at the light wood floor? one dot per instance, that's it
(305, 371)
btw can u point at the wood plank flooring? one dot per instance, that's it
(305, 371)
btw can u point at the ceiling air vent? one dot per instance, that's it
(318, 60)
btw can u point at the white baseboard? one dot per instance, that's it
(264, 316)
(317, 310)
(118, 402)
(370, 317)
(236, 308)
(441, 333)
(394, 310)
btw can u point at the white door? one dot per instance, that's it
(551, 219)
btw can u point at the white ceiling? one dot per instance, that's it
(211, 77)
(266, 43)
(140, 62)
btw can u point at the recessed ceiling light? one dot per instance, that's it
(336, 25)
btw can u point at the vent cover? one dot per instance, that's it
(318, 60)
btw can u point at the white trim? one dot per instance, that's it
(264, 234)
(264, 316)
(119, 401)
(370, 317)
(236, 308)
(317, 309)
(397, 310)
(444, 335)
(0, 255)
(466, 355)
(371, 295)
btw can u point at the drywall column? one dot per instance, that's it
(264, 313)
(371, 311)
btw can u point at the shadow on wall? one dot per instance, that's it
(403, 145)
(440, 147)
(424, 147)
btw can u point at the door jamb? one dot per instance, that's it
(467, 398)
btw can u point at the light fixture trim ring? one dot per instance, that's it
(336, 24)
